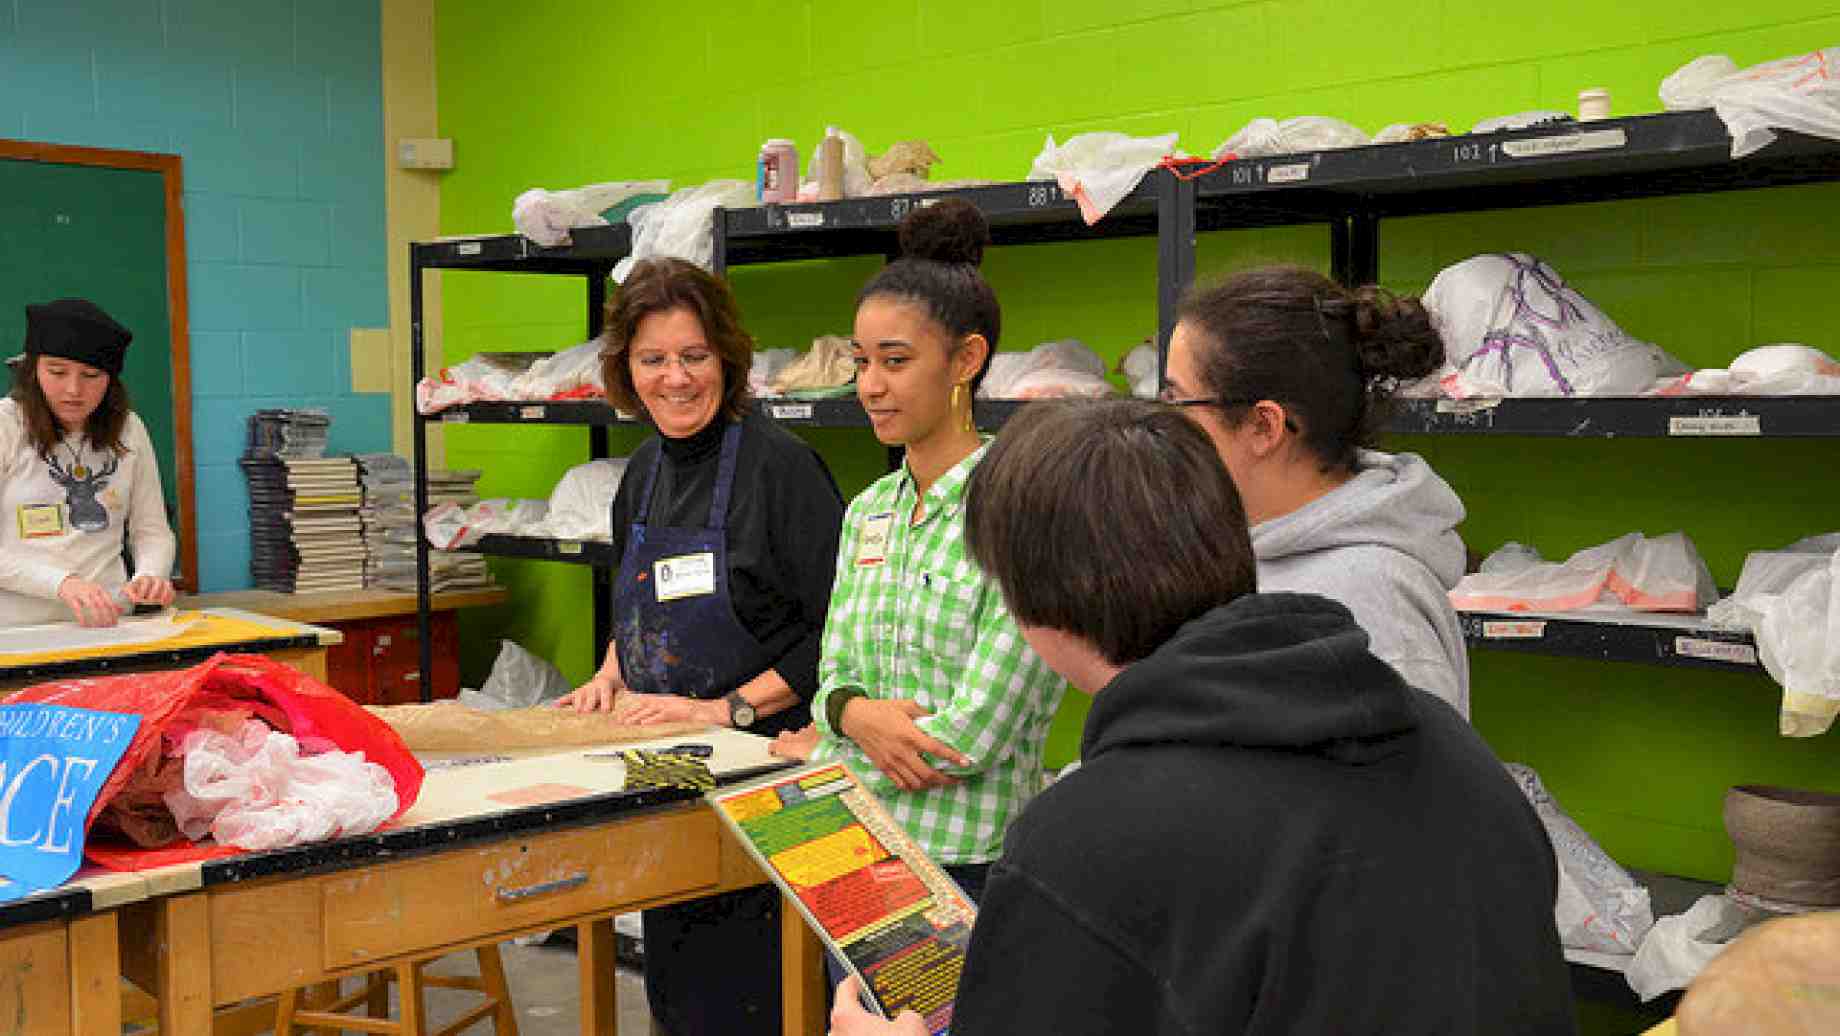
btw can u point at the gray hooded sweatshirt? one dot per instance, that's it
(1385, 545)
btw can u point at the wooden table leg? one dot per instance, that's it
(600, 1014)
(95, 976)
(182, 939)
(801, 975)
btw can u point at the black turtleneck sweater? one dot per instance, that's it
(784, 516)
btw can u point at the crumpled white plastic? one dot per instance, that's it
(1097, 170)
(827, 364)
(767, 363)
(451, 526)
(1652, 574)
(574, 372)
(1139, 365)
(1059, 369)
(683, 226)
(1599, 906)
(255, 790)
(1782, 369)
(1513, 327)
(519, 680)
(1790, 601)
(1673, 953)
(546, 217)
(1263, 137)
(581, 505)
(1800, 93)
(856, 178)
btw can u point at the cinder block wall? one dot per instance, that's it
(276, 108)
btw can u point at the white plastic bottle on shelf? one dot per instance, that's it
(830, 166)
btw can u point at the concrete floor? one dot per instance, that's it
(544, 987)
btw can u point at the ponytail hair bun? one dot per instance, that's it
(950, 231)
(1394, 339)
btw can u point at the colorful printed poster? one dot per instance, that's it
(869, 892)
(53, 762)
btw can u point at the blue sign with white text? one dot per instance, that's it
(53, 762)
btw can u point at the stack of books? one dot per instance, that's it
(388, 518)
(304, 530)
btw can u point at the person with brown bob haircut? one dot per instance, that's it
(1271, 831)
(79, 478)
(726, 525)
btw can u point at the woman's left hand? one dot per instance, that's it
(149, 590)
(647, 709)
(850, 1018)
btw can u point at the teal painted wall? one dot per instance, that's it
(276, 109)
(1640, 755)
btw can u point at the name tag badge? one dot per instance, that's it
(686, 575)
(873, 548)
(37, 521)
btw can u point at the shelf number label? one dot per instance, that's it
(1514, 630)
(1245, 175)
(1467, 153)
(1716, 425)
(568, 548)
(899, 208)
(1715, 650)
(454, 417)
(1296, 172)
(1566, 143)
(791, 411)
(805, 220)
(467, 248)
(533, 413)
(1041, 195)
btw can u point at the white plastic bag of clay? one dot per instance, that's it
(1799, 93)
(1599, 907)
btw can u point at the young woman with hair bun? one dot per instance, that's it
(926, 685)
(1292, 375)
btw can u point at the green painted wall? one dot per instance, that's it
(1641, 756)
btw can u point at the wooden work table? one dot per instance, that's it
(298, 644)
(461, 869)
(341, 605)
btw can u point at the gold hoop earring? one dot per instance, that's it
(970, 419)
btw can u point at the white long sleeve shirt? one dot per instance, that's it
(67, 515)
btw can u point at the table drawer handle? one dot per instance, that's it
(573, 881)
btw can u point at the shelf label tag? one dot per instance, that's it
(1296, 172)
(454, 417)
(791, 411)
(1525, 629)
(1566, 143)
(468, 248)
(804, 219)
(533, 413)
(1715, 650)
(568, 548)
(1716, 424)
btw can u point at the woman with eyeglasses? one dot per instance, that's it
(1292, 376)
(727, 530)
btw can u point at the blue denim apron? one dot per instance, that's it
(693, 645)
(711, 965)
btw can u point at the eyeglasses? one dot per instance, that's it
(1168, 396)
(691, 362)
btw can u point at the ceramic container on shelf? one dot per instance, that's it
(1787, 842)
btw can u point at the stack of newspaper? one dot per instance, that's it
(304, 529)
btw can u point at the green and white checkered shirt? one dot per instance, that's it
(923, 623)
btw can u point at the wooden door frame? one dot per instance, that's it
(169, 169)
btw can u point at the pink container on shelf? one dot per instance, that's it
(776, 175)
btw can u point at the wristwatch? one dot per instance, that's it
(740, 713)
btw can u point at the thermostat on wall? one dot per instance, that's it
(425, 153)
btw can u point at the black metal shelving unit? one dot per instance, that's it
(591, 255)
(1348, 191)
(1657, 640)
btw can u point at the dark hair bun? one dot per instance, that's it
(951, 230)
(1393, 336)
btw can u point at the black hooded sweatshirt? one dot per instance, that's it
(1271, 832)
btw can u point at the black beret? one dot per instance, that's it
(77, 329)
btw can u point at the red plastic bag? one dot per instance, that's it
(313, 710)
